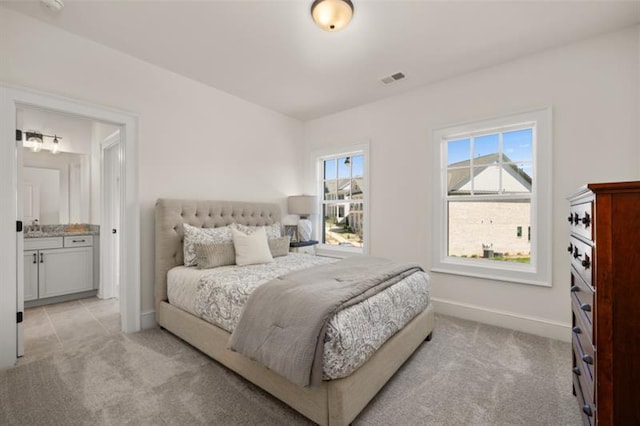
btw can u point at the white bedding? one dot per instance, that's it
(353, 335)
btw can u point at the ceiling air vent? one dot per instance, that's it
(392, 78)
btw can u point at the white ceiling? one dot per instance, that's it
(271, 53)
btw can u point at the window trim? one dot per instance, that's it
(317, 158)
(539, 271)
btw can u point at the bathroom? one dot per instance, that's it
(69, 172)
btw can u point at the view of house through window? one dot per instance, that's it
(489, 186)
(342, 201)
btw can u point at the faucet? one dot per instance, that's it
(35, 226)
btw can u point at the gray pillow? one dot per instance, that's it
(212, 255)
(279, 246)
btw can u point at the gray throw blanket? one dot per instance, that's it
(284, 321)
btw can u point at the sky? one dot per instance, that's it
(344, 170)
(517, 145)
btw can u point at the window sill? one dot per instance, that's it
(328, 250)
(508, 273)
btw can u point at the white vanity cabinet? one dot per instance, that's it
(63, 266)
(30, 275)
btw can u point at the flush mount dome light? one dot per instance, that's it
(332, 15)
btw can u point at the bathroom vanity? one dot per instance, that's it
(60, 266)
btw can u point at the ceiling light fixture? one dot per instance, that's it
(332, 15)
(55, 5)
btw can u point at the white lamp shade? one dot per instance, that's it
(302, 205)
(332, 15)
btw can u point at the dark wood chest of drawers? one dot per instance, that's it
(604, 247)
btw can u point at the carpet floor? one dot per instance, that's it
(469, 374)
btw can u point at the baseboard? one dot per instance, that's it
(148, 320)
(528, 324)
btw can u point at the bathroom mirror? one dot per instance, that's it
(55, 187)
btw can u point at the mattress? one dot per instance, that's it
(218, 296)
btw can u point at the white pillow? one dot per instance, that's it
(194, 235)
(251, 249)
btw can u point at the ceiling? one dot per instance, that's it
(271, 53)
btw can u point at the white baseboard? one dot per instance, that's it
(528, 324)
(148, 320)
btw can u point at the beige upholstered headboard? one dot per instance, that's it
(171, 214)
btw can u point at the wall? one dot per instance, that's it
(195, 141)
(593, 88)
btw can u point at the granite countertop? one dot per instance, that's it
(61, 231)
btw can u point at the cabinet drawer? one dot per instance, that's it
(581, 219)
(78, 241)
(42, 243)
(582, 259)
(584, 407)
(586, 367)
(582, 298)
(584, 352)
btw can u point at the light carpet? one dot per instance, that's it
(469, 374)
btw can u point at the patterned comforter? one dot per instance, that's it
(353, 335)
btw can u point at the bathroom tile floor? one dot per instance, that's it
(49, 328)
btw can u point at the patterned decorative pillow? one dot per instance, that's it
(273, 231)
(212, 255)
(279, 246)
(194, 235)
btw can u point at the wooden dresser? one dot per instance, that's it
(604, 247)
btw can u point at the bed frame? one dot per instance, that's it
(335, 402)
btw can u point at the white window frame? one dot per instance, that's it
(318, 158)
(538, 272)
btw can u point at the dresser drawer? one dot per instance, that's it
(584, 357)
(582, 298)
(585, 408)
(581, 219)
(583, 373)
(78, 241)
(582, 258)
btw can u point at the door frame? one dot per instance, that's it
(12, 97)
(106, 290)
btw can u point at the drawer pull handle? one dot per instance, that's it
(570, 248)
(576, 252)
(575, 289)
(585, 307)
(576, 218)
(570, 218)
(77, 241)
(576, 371)
(587, 410)
(586, 220)
(586, 263)
(41, 258)
(587, 358)
(577, 330)
(35, 258)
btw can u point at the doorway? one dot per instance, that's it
(11, 215)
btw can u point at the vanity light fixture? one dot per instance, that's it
(35, 141)
(56, 146)
(332, 15)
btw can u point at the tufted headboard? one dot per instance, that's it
(171, 214)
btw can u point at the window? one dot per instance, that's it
(342, 186)
(493, 177)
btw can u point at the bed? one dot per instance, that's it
(334, 402)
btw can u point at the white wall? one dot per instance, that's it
(593, 88)
(195, 141)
